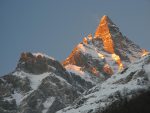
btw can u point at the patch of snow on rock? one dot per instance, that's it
(43, 55)
(48, 103)
(18, 97)
(35, 80)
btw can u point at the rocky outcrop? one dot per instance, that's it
(33, 64)
(37, 63)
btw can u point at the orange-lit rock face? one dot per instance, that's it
(144, 52)
(85, 41)
(24, 56)
(107, 69)
(103, 32)
(118, 61)
(95, 71)
(90, 36)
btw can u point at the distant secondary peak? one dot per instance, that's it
(36, 63)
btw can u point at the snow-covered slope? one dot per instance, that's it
(40, 84)
(122, 87)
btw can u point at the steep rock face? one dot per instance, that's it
(115, 42)
(103, 32)
(106, 53)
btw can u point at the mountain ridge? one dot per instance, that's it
(41, 84)
(108, 41)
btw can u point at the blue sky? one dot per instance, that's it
(54, 27)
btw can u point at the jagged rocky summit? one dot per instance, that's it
(104, 54)
(95, 78)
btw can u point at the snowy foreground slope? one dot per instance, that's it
(116, 91)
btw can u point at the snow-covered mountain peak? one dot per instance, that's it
(99, 75)
(108, 49)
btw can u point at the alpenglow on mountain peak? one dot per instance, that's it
(105, 20)
(41, 84)
(107, 52)
(103, 31)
